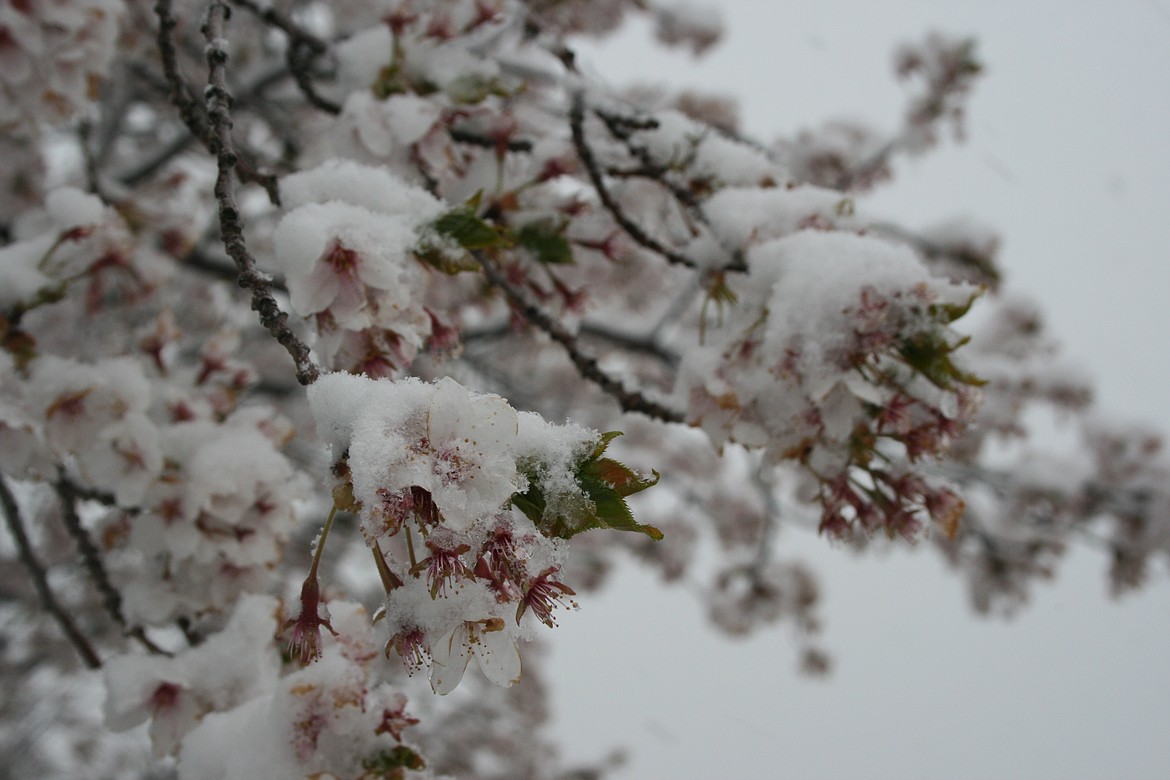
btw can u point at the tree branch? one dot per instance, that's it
(303, 48)
(644, 345)
(111, 598)
(472, 138)
(632, 229)
(230, 224)
(40, 580)
(192, 112)
(587, 366)
(151, 165)
(623, 128)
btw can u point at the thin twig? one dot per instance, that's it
(182, 96)
(587, 366)
(577, 125)
(230, 224)
(472, 138)
(41, 581)
(623, 129)
(253, 94)
(192, 112)
(303, 48)
(644, 345)
(153, 165)
(111, 598)
(92, 178)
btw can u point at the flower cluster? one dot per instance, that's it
(75, 238)
(206, 503)
(55, 55)
(490, 494)
(346, 248)
(237, 713)
(838, 358)
(443, 178)
(947, 68)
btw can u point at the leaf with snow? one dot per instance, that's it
(604, 484)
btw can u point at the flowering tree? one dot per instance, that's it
(283, 534)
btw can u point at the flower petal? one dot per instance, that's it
(449, 658)
(498, 657)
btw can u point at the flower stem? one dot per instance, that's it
(410, 547)
(320, 546)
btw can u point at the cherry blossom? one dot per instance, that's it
(488, 641)
(408, 266)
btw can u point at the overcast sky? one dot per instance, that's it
(1069, 158)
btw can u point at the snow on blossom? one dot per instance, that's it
(175, 693)
(840, 347)
(344, 259)
(472, 463)
(53, 57)
(77, 399)
(446, 462)
(814, 294)
(455, 444)
(746, 216)
(331, 717)
(345, 247)
(247, 741)
(362, 56)
(127, 455)
(370, 187)
(74, 235)
(400, 131)
(214, 521)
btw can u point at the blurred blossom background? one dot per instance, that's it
(1067, 158)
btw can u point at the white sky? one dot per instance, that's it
(1069, 158)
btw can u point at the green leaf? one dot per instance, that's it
(388, 763)
(545, 241)
(949, 312)
(471, 232)
(445, 261)
(605, 483)
(928, 353)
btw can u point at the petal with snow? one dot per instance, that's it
(449, 658)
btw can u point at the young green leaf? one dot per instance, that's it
(929, 354)
(604, 485)
(471, 232)
(546, 242)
